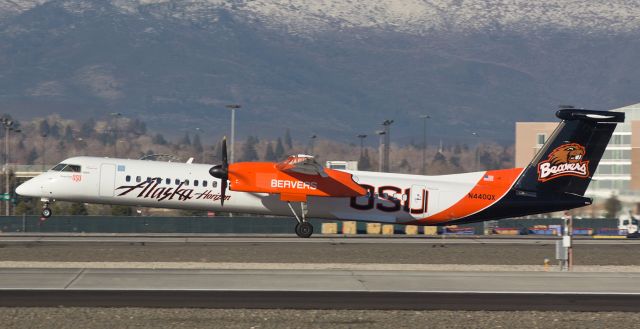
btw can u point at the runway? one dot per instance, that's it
(335, 272)
(328, 289)
(288, 300)
(290, 249)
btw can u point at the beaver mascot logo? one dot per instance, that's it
(565, 160)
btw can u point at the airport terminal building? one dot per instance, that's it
(619, 169)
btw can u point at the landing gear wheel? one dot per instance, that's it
(46, 212)
(304, 229)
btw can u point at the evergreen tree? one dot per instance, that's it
(159, 140)
(186, 140)
(197, 144)
(104, 138)
(270, 154)
(613, 206)
(405, 166)
(438, 165)
(249, 152)
(287, 139)
(279, 151)
(121, 211)
(54, 130)
(488, 161)
(454, 160)
(78, 209)
(24, 207)
(32, 156)
(457, 149)
(138, 127)
(68, 134)
(364, 163)
(44, 128)
(439, 157)
(87, 129)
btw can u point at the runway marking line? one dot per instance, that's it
(311, 266)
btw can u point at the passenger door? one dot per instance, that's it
(418, 201)
(107, 179)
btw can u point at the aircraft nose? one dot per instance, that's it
(28, 188)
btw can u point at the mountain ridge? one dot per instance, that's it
(176, 64)
(409, 16)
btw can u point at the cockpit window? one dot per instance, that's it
(66, 167)
(58, 167)
(72, 168)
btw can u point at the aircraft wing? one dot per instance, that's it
(294, 179)
(301, 164)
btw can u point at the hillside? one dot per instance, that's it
(325, 67)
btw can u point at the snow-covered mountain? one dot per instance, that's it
(419, 17)
(337, 67)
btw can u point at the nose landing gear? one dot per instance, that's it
(46, 211)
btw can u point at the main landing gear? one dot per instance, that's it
(304, 229)
(46, 211)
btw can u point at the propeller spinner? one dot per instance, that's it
(221, 172)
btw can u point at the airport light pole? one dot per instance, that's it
(44, 149)
(312, 141)
(424, 118)
(8, 127)
(475, 134)
(381, 133)
(199, 130)
(387, 140)
(233, 108)
(362, 137)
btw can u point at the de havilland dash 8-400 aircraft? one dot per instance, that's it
(555, 180)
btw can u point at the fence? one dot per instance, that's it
(123, 224)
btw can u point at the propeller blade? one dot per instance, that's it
(225, 161)
(221, 171)
(223, 192)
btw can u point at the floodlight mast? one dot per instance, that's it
(233, 108)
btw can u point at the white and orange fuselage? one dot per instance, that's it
(556, 179)
(389, 198)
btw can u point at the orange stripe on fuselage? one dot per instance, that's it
(491, 188)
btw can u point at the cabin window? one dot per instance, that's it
(158, 180)
(138, 179)
(128, 178)
(186, 182)
(195, 182)
(167, 181)
(148, 179)
(177, 181)
(204, 183)
(214, 184)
